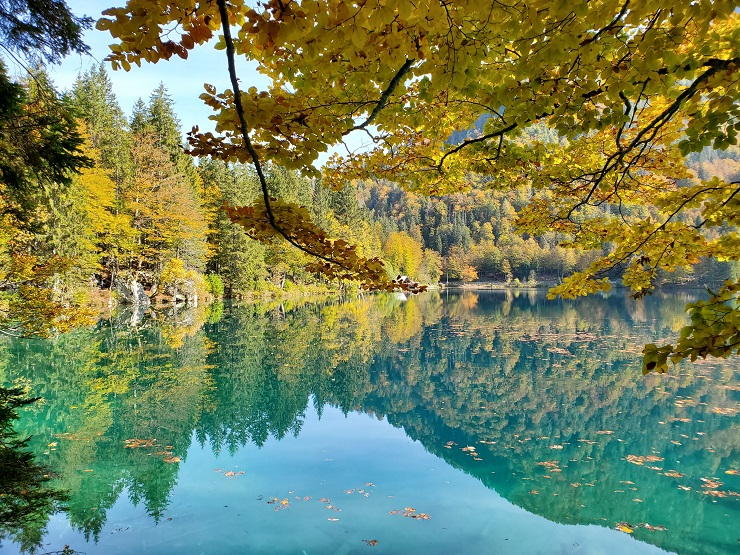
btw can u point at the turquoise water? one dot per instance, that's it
(460, 423)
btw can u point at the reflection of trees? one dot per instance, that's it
(26, 499)
(100, 388)
(506, 373)
(565, 376)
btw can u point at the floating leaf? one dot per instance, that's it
(712, 484)
(625, 527)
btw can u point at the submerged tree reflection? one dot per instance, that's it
(26, 497)
(542, 401)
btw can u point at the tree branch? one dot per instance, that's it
(468, 142)
(247, 141)
(384, 96)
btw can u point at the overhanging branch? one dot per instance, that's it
(247, 141)
(384, 97)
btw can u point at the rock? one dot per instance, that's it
(131, 292)
(185, 292)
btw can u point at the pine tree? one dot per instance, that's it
(139, 120)
(41, 31)
(239, 260)
(105, 122)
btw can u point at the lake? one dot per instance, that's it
(468, 422)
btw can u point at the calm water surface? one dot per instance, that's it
(460, 423)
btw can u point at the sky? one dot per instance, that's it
(184, 79)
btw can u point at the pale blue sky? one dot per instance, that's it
(183, 78)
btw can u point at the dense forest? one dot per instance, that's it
(132, 207)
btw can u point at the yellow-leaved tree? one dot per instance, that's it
(628, 88)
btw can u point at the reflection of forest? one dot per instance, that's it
(542, 401)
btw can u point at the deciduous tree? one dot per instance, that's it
(627, 88)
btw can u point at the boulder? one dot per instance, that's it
(131, 292)
(184, 292)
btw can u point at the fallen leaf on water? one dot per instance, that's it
(625, 527)
(640, 460)
(647, 526)
(136, 443)
(710, 483)
(715, 493)
(411, 513)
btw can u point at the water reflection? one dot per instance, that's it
(542, 401)
(26, 498)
